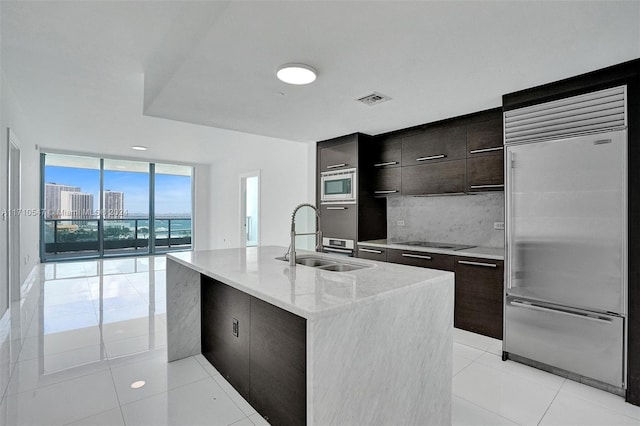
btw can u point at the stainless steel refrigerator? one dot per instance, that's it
(566, 230)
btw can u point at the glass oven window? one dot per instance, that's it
(337, 186)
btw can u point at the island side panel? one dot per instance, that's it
(386, 362)
(183, 311)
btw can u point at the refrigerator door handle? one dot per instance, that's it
(559, 311)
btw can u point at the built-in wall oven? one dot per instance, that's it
(338, 186)
(339, 246)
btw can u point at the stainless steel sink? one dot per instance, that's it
(313, 262)
(326, 264)
(341, 267)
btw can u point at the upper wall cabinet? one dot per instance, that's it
(485, 153)
(385, 152)
(443, 144)
(338, 154)
(485, 137)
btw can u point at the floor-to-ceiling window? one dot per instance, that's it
(95, 207)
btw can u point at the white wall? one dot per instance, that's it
(284, 183)
(14, 118)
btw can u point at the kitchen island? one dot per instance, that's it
(376, 342)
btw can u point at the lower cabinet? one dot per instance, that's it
(443, 262)
(372, 253)
(479, 303)
(259, 348)
(278, 364)
(225, 323)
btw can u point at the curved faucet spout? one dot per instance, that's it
(318, 233)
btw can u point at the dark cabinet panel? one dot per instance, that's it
(479, 296)
(339, 221)
(386, 181)
(485, 137)
(443, 262)
(384, 152)
(338, 153)
(485, 173)
(437, 178)
(226, 331)
(449, 143)
(372, 253)
(278, 364)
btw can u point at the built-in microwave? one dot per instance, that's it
(338, 186)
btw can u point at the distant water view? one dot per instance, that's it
(76, 203)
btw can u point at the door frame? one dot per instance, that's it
(14, 185)
(243, 206)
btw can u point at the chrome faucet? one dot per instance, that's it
(318, 233)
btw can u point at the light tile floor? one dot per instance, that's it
(85, 331)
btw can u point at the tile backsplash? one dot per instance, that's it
(461, 219)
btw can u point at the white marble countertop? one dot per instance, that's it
(482, 252)
(306, 291)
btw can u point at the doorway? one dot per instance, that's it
(250, 209)
(13, 218)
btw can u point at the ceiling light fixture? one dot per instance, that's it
(139, 148)
(296, 74)
(138, 384)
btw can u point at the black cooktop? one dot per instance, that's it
(431, 244)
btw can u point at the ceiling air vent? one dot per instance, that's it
(373, 99)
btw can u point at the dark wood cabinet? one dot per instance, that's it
(479, 295)
(384, 152)
(437, 178)
(444, 144)
(485, 137)
(225, 320)
(339, 220)
(278, 364)
(485, 153)
(338, 153)
(385, 182)
(485, 173)
(259, 348)
(442, 262)
(372, 253)
(367, 218)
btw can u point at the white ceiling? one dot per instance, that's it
(94, 68)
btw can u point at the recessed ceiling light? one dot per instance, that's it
(139, 148)
(138, 384)
(296, 74)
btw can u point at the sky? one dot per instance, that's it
(173, 193)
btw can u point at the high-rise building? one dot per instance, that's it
(52, 196)
(76, 205)
(113, 204)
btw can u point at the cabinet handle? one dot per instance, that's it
(559, 311)
(236, 327)
(334, 250)
(477, 151)
(487, 265)
(416, 256)
(388, 163)
(337, 208)
(335, 166)
(370, 250)
(431, 157)
(386, 192)
(501, 185)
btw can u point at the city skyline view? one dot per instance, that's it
(172, 192)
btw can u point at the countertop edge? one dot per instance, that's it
(303, 313)
(472, 252)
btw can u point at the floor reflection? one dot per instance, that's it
(101, 309)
